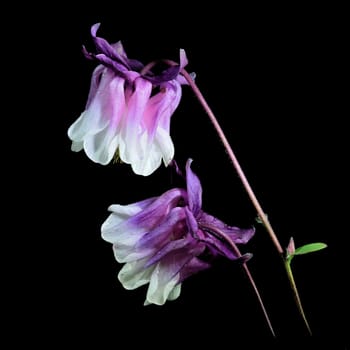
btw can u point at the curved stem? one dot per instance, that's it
(247, 271)
(247, 187)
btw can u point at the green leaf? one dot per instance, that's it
(309, 248)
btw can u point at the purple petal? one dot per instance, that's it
(176, 255)
(218, 244)
(158, 209)
(104, 47)
(168, 74)
(95, 81)
(135, 64)
(96, 117)
(101, 146)
(183, 59)
(116, 225)
(119, 49)
(172, 248)
(112, 64)
(215, 242)
(238, 235)
(161, 107)
(194, 189)
(183, 62)
(192, 224)
(171, 268)
(178, 171)
(193, 266)
(172, 227)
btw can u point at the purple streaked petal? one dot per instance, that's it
(172, 249)
(95, 81)
(95, 117)
(173, 227)
(126, 250)
(167, 273)
(238, 235)
(161, 107)
(170, 101)
(144, 142)
(117, 221)
(127, 231)
(154, 143)
(193, 266)
(102, 146)
(155, 213)
(194, 190)
(126, 211)
(131, 149)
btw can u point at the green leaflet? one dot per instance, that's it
(309, 248)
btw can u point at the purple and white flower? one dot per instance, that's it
(128, 111)
(163, 240)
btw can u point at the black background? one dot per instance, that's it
(274, 76)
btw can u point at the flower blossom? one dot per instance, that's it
(128, 110)
(163, 240)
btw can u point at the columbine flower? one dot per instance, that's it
(165, 239)
(128, 110)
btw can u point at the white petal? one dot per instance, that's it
(77, 146)
(121, 233)
(133, 275)
(126, 252)
(89, 122)
(116, 230)
(161, 286)
(175, 293)
(92, 120)
(102, 146)
(147, 158)
(132, 139)
(165, 145)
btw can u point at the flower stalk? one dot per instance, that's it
(251, 280)
(250, 192)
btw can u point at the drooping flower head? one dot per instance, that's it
(163, 240)
(128, 110)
